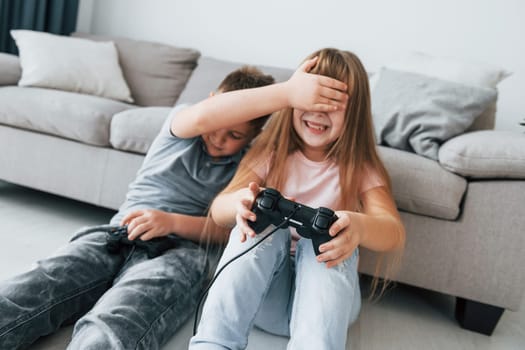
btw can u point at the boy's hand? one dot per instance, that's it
(147, 224)
(316, 93)
(246, 197)
(343, 244)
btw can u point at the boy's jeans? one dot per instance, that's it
(132, 302)
(258, 288)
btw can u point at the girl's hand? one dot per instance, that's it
(147, 224)
(245, 199)
(344, 243)
(314, 92)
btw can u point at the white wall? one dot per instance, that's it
(85, 15)
(283, 32)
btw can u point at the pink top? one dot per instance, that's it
(315, 184)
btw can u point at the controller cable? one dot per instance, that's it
(283, 223)
(85, 231)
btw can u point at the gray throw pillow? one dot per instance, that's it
(156, 73)
(418, 113)
(124, 126)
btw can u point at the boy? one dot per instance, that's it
(133, 301)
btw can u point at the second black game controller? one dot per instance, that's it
(118, 236)
(271, 207)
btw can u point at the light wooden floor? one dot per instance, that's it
(33, 224)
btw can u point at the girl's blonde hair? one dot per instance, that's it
(354, 151)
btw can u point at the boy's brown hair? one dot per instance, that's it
(247, 77)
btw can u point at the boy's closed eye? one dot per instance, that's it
(236, 135)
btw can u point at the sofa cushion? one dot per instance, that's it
(70, 64)
(418, 113)
(134, 130)
(156, 73)
(84, 118)
(422, 186)
(485, 154)
(211, 71)
(10, 71)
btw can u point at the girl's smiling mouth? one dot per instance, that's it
(316, 128)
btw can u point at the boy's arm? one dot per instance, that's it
(303, 90)
(151, 223)
(199, 229)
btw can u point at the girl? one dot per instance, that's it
(319, 158)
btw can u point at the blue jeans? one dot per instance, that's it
(118, 301)
(259, 289)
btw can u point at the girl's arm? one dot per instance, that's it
(150, 223)
(303, 90)
(233, 208)
(378, 227)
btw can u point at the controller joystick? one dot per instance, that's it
(271, 208)
(118, 236)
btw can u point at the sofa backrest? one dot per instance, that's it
(211, 71)
(487, 119)
(156, 73)
(10, 71)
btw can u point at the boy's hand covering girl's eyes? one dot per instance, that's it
(344, 241)
(246, 197)
(314, 92)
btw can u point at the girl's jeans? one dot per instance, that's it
(258, 288)
(132, 302)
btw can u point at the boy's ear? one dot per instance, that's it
(212, 93)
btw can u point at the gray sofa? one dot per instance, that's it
(464, 214)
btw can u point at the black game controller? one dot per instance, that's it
(118, 236)
(272, 208)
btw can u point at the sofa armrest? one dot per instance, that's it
(10, 70)
(485, 154)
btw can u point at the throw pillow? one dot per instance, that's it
(70, 64)
(124, 126)
(156, 73)
(455, 70)
(485, 154)
(445, 68)
(418, 113)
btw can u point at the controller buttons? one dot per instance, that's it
(267, 203)
(322, 222)
(326, 211)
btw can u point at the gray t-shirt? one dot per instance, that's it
(178, 176)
